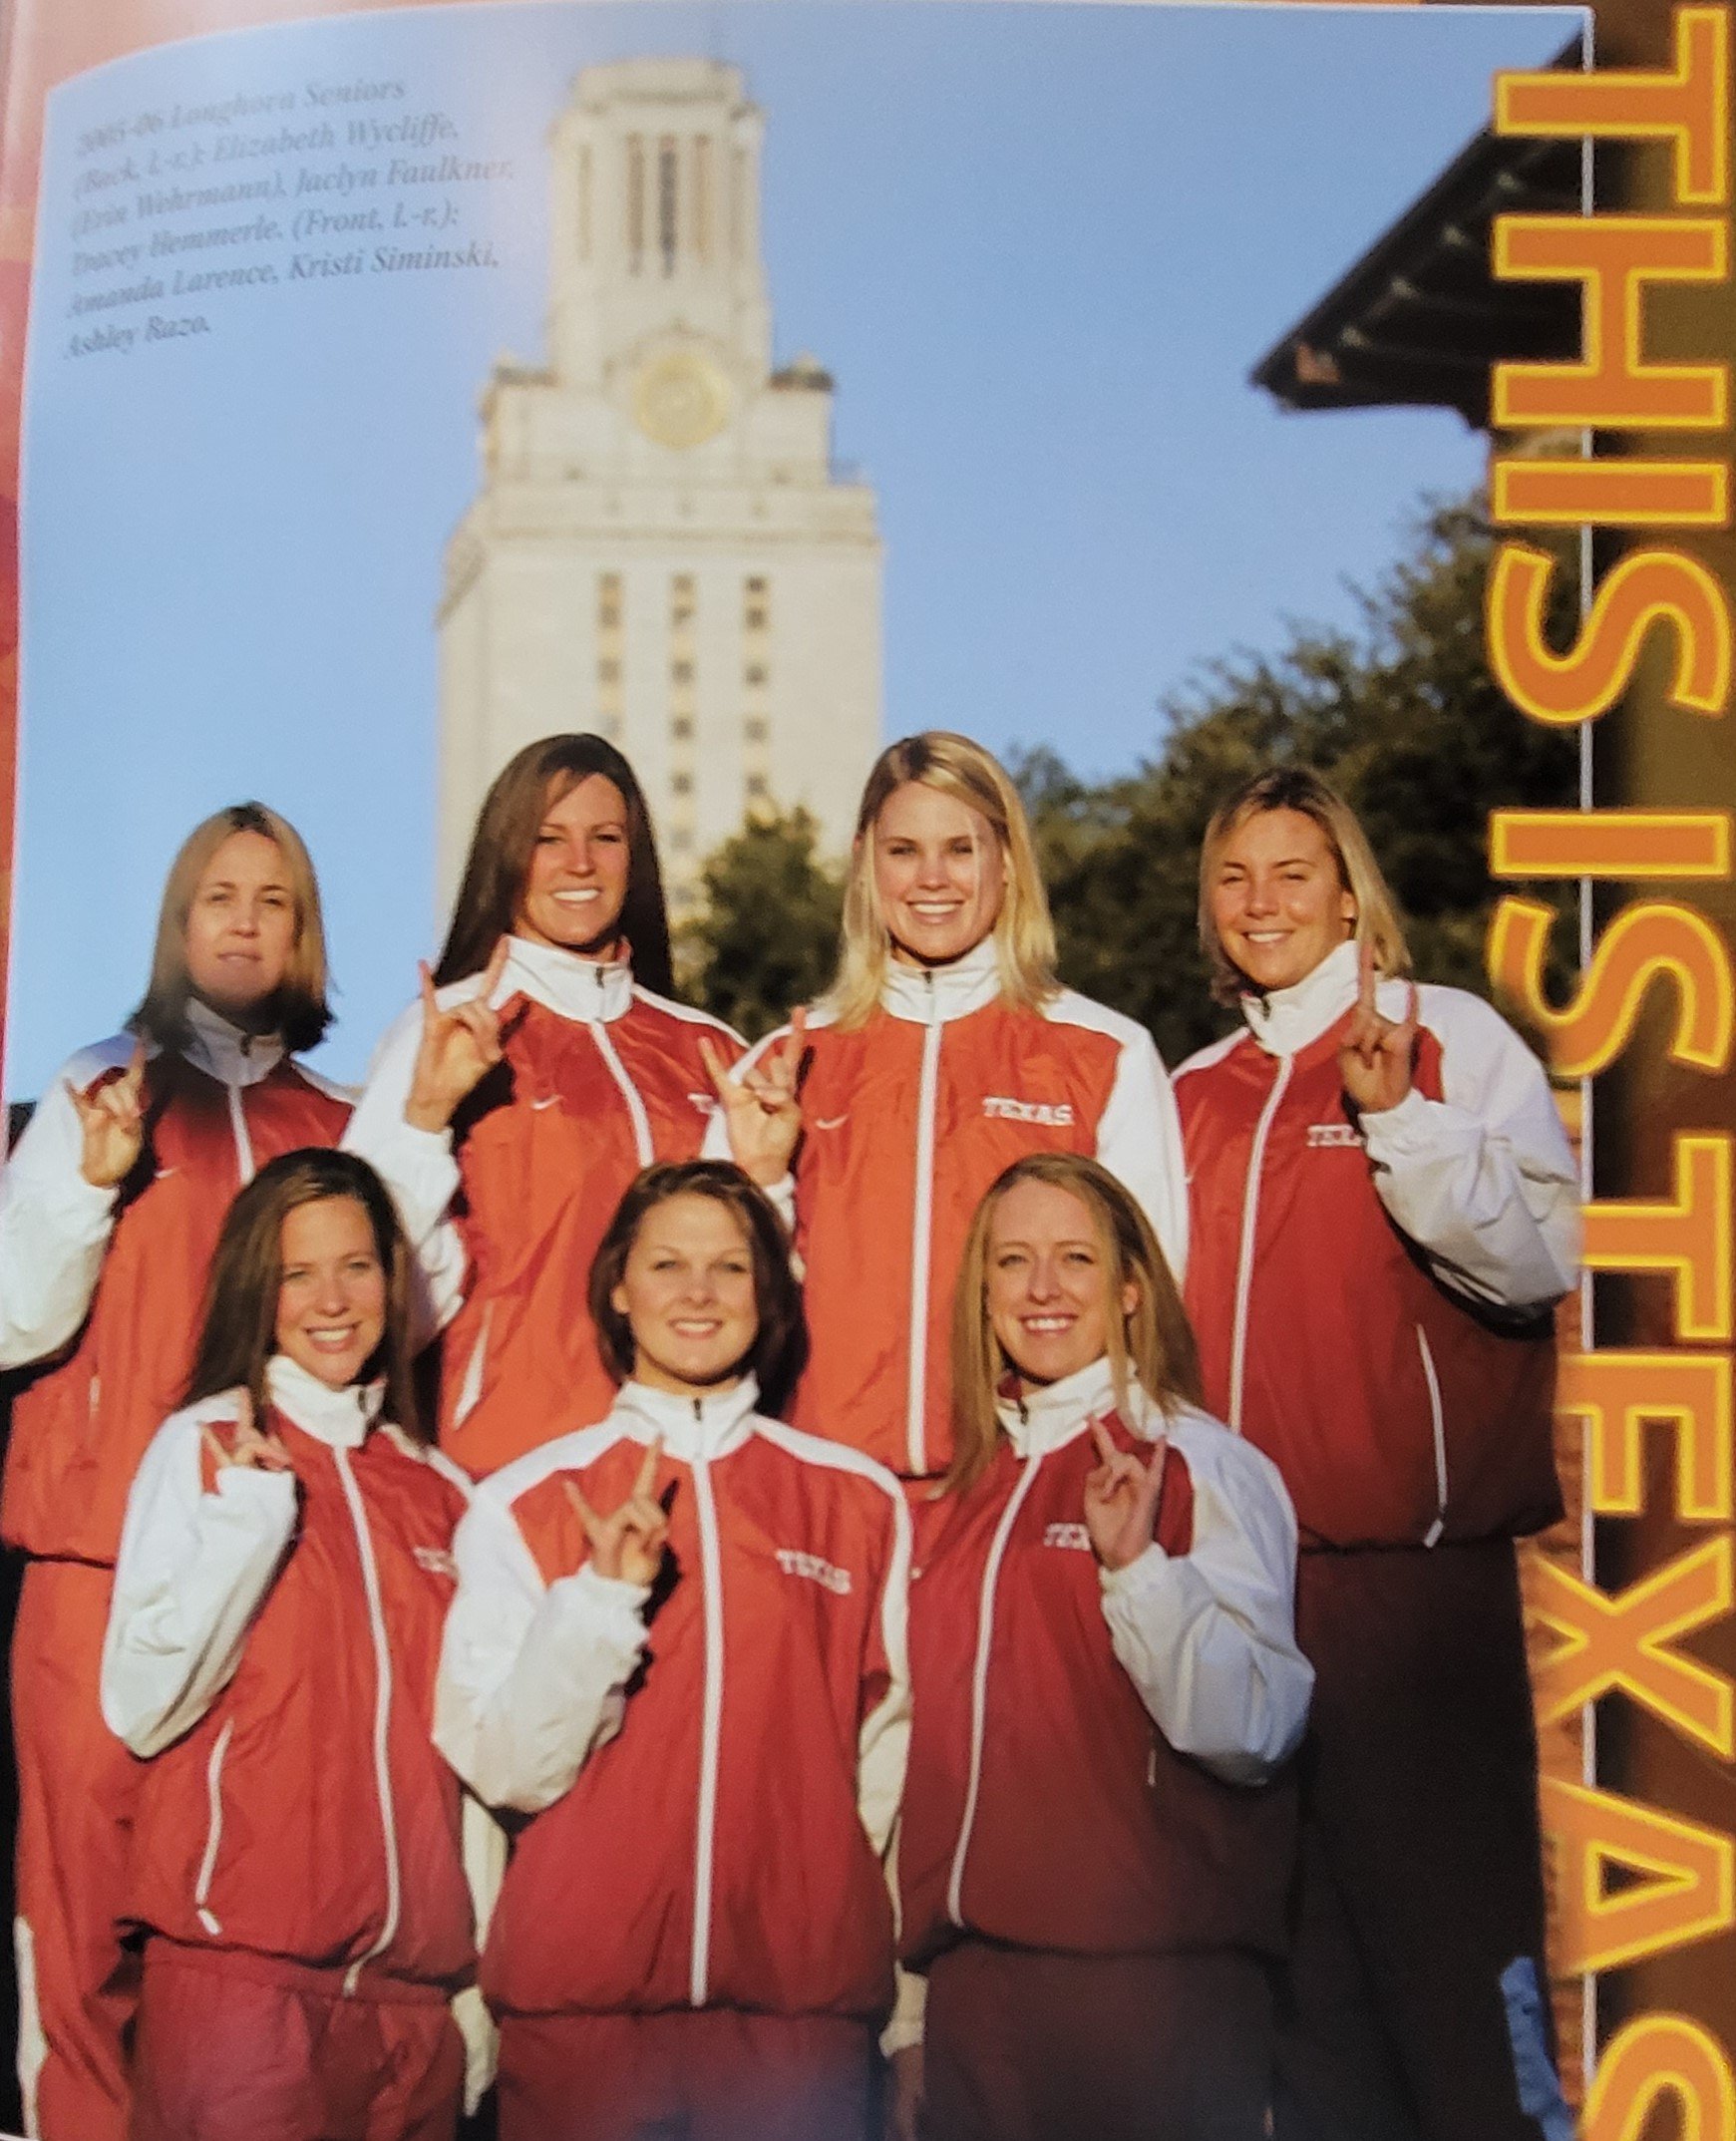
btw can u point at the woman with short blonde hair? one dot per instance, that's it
(110, 1209)
(945, 1050)
(1104, 1676)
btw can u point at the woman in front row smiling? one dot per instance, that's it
(1384, 1213)
(544, 1066)
(1103, 1672)
(678, 1644)
(282, 1585)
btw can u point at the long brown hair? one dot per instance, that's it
(299, 1010)
(780, 1348)
(238, 1323)
(498, 868)
(1301, 789)
(1153, 1342)
(1025, 934)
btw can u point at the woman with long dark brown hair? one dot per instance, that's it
(544, 1066)
(110, 1209)
(282, 1585)
(1103, 1672)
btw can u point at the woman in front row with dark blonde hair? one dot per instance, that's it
(110, 1209)
(281, 1590)
(1104, 1674)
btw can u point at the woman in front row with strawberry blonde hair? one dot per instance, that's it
(282, 1586)
(1105, 1673)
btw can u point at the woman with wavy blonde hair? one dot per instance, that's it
(945, 1050)
(1103, 1667)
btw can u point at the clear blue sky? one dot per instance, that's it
(1038, 245)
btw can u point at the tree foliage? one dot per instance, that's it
(766, 938)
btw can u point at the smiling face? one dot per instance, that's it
(578, 882)
(687, 1293)
(1278, 902)
(241, 926)
(939, 872)
(1050, 1291)
(331, 1294)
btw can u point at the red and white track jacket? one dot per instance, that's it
(714, 1765)
(1086, 1739)
(272, 1649)
(507, 1209)
(906, 1123)
(1372, 1293)
(103, 1286)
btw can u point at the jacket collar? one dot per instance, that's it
(1286, 1020)
(692, 1428)
(931, 995)
(339, 1417)
(1044, 1420)
(224, 1051)
(591, 990)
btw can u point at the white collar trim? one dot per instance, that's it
(1285, 1020)
(589, 990)
(1046, 1419)
(339, 1417)
(933, 995)
(224, 1051)
(707, 1426)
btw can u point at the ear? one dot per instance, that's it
(1130, 1298)
(619, 1298)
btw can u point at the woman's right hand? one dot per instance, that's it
(627, 1545)
(458, 1048)
(112, 1123)
(253, 1449)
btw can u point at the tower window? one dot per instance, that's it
(609, 670)
(681, 784)
(681, 672)
(755, 729)
(681, 728)
(702, 197)
(757, 788)
(635, 202)
(756, 672)
(666, 183)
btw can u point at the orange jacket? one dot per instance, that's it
(272, 1649)
(506, 1209)
(713, 1766)
(104, 1286)
(906, 1123)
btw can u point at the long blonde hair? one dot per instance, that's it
(1153, 1344)
(1298, 788)
(1024, 935)
(301, 1011)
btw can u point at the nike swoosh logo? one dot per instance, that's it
(554, 1101)
(831, 1122)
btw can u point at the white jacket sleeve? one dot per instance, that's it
(1207, 1638)
(417, 1167)
(193, 1572)
(1483, 1179)
(54, 1226)
(1138, 1140)
(532, 1677)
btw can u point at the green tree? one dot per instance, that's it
(1401, 715)
(766, 938)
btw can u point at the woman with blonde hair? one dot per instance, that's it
(1384, 1215)
(543, 1067)
(946, 1049)
(1104, 1674)
(110, 1209)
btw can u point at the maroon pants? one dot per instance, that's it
(233, 2047)
(710, 2075)
(1031, 2046)
(1420, 1878)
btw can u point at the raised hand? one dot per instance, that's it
(253, 1448)
(628, 1544)
(112, 1119)
(1121, 1493)
(1376, 1054)
(458, 1048)
(762, 1108)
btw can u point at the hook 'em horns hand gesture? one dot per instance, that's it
(460, 1046)
(112, 1123)
(1376, 1054)
(1121, 1493)
(250, 1449)
(761, 1106)
(628, 1544)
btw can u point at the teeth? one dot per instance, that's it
(1040, 1324)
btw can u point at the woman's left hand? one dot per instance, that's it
(762, 1108)
(1376, 1054)
(1121, 1493)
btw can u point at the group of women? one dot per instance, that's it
(867, 1596)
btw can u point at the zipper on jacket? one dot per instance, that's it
(923, 1240)
(1244, 1253)
(711, 1722)
(243, 1143)
(207, 1865)
(979, 1685)
(629, 1092)
(382, 1715)
(1437, 1419)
